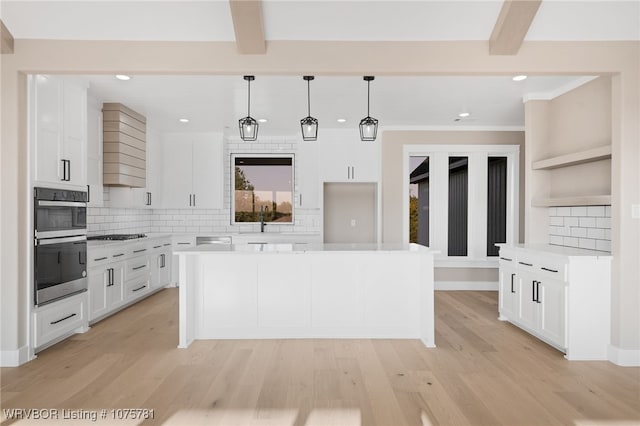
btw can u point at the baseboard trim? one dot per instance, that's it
(623, 357)
(14, 358)
(466, 285)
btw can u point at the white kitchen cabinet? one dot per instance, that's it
(193, 170)
(508, 288)
(345, 158)
(56, 320)
(160, 264)
(150, 196)
(122, 273)
(562, 296)
(94, 154)
(59, 122)
(308, 183)
(105, 289)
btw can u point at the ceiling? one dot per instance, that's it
(215, 102)
(210, 20)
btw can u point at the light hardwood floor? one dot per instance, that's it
(483, 372)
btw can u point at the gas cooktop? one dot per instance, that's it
(117, 237)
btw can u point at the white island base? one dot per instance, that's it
(276, 291)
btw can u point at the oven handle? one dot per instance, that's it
(61, 240)
(45, 203)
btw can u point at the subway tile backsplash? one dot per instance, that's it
(587, 227)
(209, 221)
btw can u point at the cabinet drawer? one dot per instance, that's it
(137, 266)
(135, 288)
(526, 261)
(59, 318)
(552, 268)
(97, 257)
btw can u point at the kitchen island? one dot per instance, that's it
(273, 291)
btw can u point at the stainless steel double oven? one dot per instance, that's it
(60, 237)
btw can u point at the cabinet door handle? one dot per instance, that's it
(100, 258)
(68, 170)
(525, 263)
(353, 172)
(538, 292)
(194, 200)
(190, 195)
(139, 267)
(506, 258)
(512, 276)
(88, 193)
(162, 261)
(139, 288)
(64, 170)
(300, 199)
(183, 243)
(155, 247)
(109, 277)
(118, 255)
(533, 291)
(550, 270)
(62, 319)
(139, 251)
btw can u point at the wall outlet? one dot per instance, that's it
(353, 223)
(635, 211)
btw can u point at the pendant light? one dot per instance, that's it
(309, 124)
(368, 125)
(248, 125)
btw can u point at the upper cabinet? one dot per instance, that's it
(149, 196)
(192, 174)
(94, 153)
(345, 158)
(59, 123)
(307, 184)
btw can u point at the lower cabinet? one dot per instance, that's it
(105, 289)
(56, 320)
(120, 275)
(562, 296)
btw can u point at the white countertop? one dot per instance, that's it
(558, 250)
(303, 248)
(97, 244)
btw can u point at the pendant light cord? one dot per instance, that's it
(368, 91)
(249, 100)
(309, 98)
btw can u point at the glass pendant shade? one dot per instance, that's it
(248, 128)
(368, 129)
(309, 127)
(309, 124)
(368, 125)
(248, 125)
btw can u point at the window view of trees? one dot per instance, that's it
(263, 185)
(419, 200)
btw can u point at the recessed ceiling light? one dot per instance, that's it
(123, 77)
(184, 120)
(342, 120)
(519, 78)
(464, 114)
(262, 120)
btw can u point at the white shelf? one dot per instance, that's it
(595, 154)
(584, 200)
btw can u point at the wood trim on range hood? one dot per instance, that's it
(125, 146)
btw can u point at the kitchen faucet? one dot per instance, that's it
(262, 224)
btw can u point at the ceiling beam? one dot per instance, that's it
(248, 25)
(6, 42)
(512, 25)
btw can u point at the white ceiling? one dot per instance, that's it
(210, 20)
(213, 102)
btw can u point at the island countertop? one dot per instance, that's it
(304, 248)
